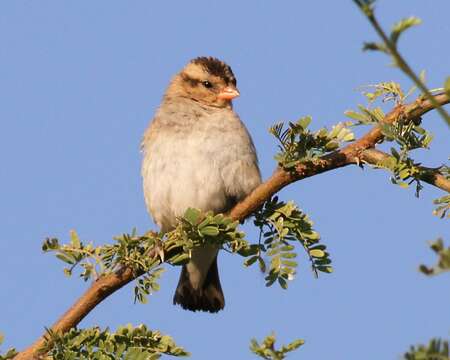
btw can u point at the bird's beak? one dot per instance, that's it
(228, 93)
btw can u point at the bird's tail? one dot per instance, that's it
(208, 297)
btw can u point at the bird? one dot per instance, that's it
(197, 153)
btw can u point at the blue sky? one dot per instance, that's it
(79, 82)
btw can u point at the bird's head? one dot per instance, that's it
(206, 80)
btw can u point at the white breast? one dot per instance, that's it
(197, 159)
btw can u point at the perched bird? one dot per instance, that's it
(197, 153)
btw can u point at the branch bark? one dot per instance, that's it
(353, 153)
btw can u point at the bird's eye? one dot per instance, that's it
(207, 84)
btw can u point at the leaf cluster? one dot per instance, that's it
(404, 170)
(387, 91)
(128, 343)
(266, 349)
(443, 263)
(437, 349)
(128, 250)
(282, 227)
(144, 254)
(282, 223)
(401, 26)
(383, 92)
(443, 206)
(196, 229)
(298, 144)
(408, 135)
(397, 30)
(366, 116)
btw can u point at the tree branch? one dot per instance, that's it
(432, 176)
(351, 154)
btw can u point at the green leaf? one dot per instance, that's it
(262, 264)
(155, 286)
(443, 263)
(289, 263)
(356, 116)
(325, 269)
(447, 86)
(403, 184)
(192, 215)
(349, 137)
(275, 263)
(403, 25)
(403, 174)
(74, 239)
(267, 349)
(289, 255)
(311, 235)
(50, 244)
(206, 221)
(373, 46)
(323, 261)
(209, 231)
(253, 249)
(283, 283)
(67, 258)
(295, 344)
(305, 121)
(251, 261)
(317, 253)
(332, 145)
(318, 247)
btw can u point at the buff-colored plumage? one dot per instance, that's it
(197, 153)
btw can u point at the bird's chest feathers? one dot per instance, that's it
(185, 162)
(202, 142)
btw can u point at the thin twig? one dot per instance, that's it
(400, 61)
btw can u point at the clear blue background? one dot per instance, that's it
(79, 82)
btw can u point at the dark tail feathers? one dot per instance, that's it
(208, 298)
